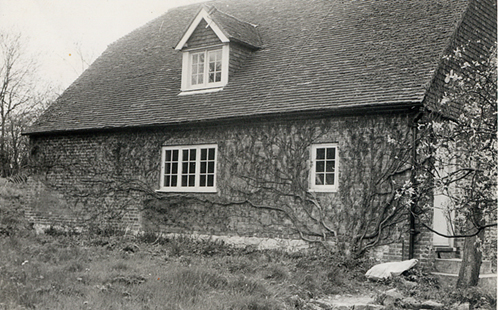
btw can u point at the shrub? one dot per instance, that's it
(477, 298)
(12, 219)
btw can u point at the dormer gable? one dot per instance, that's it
(203, 36)
(204, 19)
(207, 45)
(226, 27)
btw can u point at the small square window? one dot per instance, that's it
(323, 171)
(183, 170)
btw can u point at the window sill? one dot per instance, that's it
(199, 91)
(323, 190)
(188, 190)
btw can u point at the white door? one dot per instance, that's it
(442, 222)
(443, 214)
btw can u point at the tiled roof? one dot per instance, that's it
(237, 30)
(317, 55)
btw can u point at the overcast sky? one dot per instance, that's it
(59, 31)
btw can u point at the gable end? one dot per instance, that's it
(203, 36)
(203, 15)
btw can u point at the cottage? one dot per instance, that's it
(270, 121)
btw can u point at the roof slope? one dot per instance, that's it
(237, 30)
(316, 55)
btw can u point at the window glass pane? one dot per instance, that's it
(320, 153)
(191, 180)
(167, 168)
(330, 166)
(329, 179)
(174, 180)
(174, 168)
(210, 180)
(211, 77)
(202, 181)
(319, 179)
(211, 66)
(191, 167)
(185, 168)
(200, 79)
(168, 155)
(211, 167)
(166, 181)
(175, 155)
(203, 154)
(320, 166)
(218, 76)
(185, 155)
(184, 180)
(201, 58)
(211, 154)
(203, 167)
(193, 152)
(331, 153)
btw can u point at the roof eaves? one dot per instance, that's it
(402, 106)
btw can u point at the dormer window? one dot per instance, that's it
(206, 45)
(205, 68)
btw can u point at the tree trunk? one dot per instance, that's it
(471, 261)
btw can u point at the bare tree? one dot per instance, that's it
(20, 100)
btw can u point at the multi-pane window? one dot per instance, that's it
(189, 168)
(324, 174)
(205, 73)
(205, 69)
(197, 70)
(214, 69)
(170, 170)
(207, 167)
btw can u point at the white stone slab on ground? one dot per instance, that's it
(387, 270)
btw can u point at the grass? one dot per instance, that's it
(64, 271)
(82, 272)
(79, 272)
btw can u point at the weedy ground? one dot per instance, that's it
(107, 270)
(102, 272)
(56, 271)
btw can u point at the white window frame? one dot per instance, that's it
(187, 69)
(313, 187)
(197, 188)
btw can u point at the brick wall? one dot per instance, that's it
(112, 177)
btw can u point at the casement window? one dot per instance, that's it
(189, 168)
(324, 175)
(205, 69)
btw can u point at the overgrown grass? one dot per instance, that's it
(61, 271)
(109, 270)
(78, 272)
